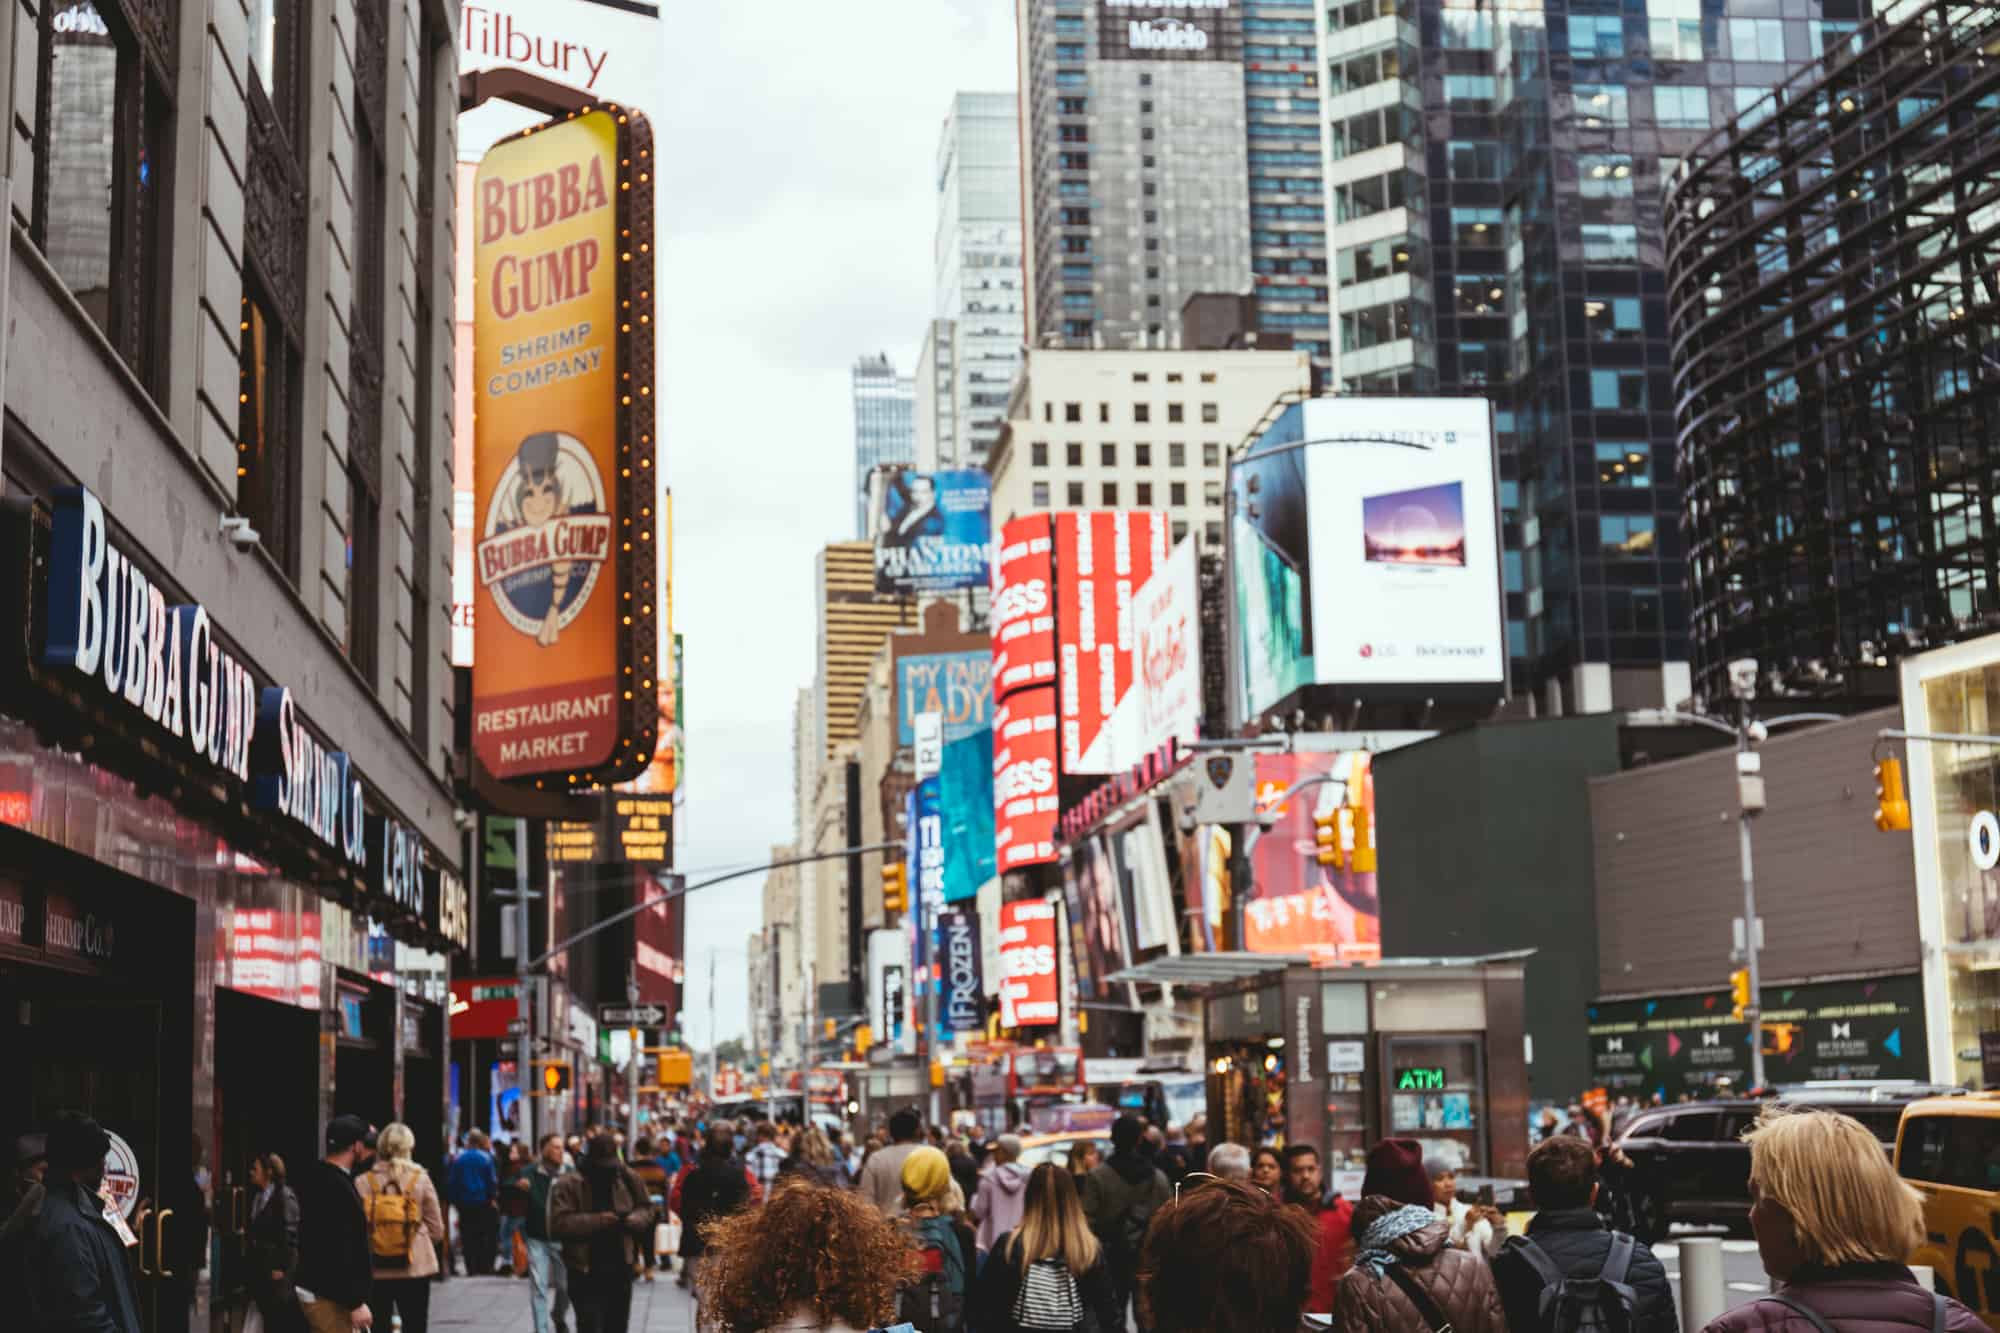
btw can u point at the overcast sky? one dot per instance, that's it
(798, 141)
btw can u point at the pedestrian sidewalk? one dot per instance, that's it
(500, 1305)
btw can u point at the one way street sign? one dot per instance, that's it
(644, 1016)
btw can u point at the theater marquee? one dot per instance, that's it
(564, 687)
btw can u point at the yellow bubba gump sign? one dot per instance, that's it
(564, 688)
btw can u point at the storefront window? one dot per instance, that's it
(1965, 793)
(1435, 1093)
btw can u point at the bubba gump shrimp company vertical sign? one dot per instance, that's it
(564, 673)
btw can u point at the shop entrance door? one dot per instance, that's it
(266, 1101)
(88, 1044)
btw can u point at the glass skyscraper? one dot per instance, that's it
(979, 284)
(885, 429)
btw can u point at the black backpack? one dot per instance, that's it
(1602, 1304)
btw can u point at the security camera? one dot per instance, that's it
(462, 818)
(1743, 677)
(237, 528)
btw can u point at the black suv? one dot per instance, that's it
(1689, 1162)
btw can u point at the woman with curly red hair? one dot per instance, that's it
(810, 1258)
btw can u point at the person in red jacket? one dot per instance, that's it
(1333, 1219)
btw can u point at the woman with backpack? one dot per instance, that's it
(943, 1269)
(1834, 1224)
(1049, 1271)
(1407, 1277)
(405, 1227)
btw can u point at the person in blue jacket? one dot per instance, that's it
(78, 1280)
(474, 1186)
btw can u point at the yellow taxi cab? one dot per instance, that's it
(1039, 1148)
(1949, 1149)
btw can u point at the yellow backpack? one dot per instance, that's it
(393, 1218)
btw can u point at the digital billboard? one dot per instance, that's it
(1166, 652)
(1096, 919)
(931, 530)
(1103, 557)
(1024, 606)
(1366, 548)
(1025, 801)
(1297, 905)
(1170, 29)
(564, 627)
(1030, 984)
(965, 798)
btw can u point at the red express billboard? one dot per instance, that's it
(1029, 988)
(1024, 613)
(1103, 557)
(1025, 802)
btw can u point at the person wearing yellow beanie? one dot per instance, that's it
(939, 1296)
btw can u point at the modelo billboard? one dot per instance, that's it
(1170, 29)
(1365, 541)
(931, 530)
(564, 676)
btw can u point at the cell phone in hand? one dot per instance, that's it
(1484, 1197)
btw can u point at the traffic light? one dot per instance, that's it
(864, 1037)
(1892, 807)
(1327, 834)
(555, 1077)
(895, 888)
(832, 1026)
(1739, 991)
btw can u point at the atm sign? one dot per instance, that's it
(1420, 1080)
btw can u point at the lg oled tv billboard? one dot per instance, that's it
(1365, 539)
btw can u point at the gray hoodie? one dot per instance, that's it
(998, 1203)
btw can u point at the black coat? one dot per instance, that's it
(334, 1263)
(78, 1279)
(272, 1246)
(1578, 1242)
(992, 1305)
(714, 1190)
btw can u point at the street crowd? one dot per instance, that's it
(785, 1228)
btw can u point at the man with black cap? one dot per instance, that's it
(335, 1271)
(600, 1212)
(76, 1272)
(1119, 1198)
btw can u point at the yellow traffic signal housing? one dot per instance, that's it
(1739, 992)
(1779, 1038)
(864, 1037)
(555, 1077)
(676, 1069)
(1326, 834)
(895, 887)
(1892, 806)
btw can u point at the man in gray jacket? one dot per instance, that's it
(882, 1177)
(77, 1278)
(1119, 1199)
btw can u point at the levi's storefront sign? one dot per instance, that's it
(111, 633)
(564, 671)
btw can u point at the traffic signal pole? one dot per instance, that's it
(1754, 1011)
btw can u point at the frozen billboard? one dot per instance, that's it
(1366, 547)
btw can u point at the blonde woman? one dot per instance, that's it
(1049, 1271)
(399, 1200)
(1834, 1224)
(811, 1159)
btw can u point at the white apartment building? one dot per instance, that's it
(1135, 430)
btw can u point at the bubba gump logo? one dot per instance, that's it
(547, 536)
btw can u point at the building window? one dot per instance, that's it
(1212, 534)
(103, 138)
(1153, 275)
(1625, 464)
(1142, 412)
(1173, 376)
(268, 383)
(1073, 454)
(1210, 413)
(1072, 411)
(1041, 495)
(1211, 455)
(1180, 529)
(1611, 319)
(1110, 491)
(1177, 455)
(1208, 377)
(1618, 390)
(1150, 216)
(1601, 105)
(1038, 454)
(365, 333)
(1073, 494)
(1610, 243)
(1680, 107)
(1211, 494)
(1177, 493)
(1625, 536)
(1107, 454)
(1176, 412)
(1144, 495)
(1152, 243)
(1142, 455)
(1104, 414)
(1048, 411)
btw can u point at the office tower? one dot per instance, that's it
(1281, 100)
(884, 425)
(1830, 303)
(1134, 165)
(979, 321)
(936, 407)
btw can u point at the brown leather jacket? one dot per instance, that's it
(1458, 1280)
(573, 1221)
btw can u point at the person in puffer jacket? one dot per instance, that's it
(1833, 1223)
(996, 1207)
(1395, 1232)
